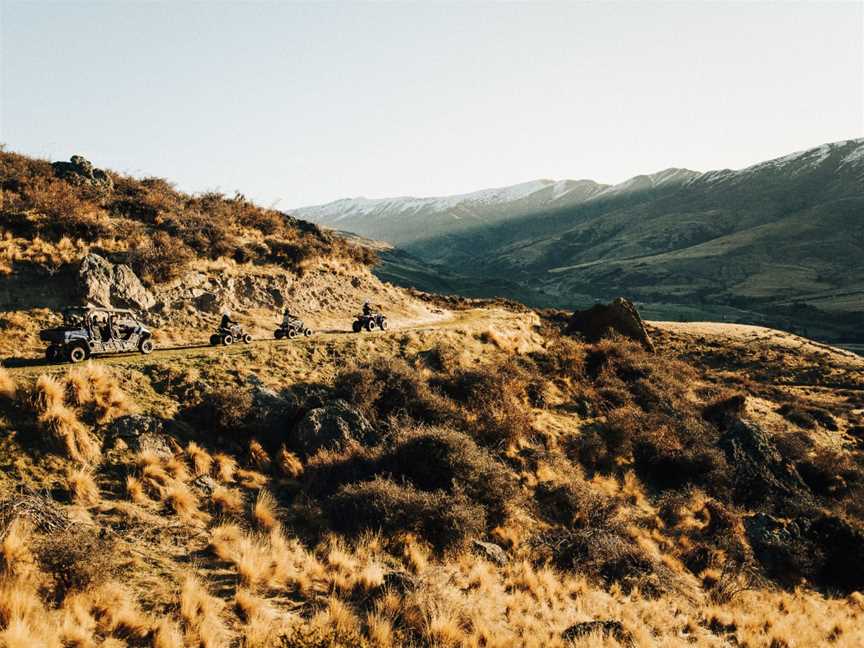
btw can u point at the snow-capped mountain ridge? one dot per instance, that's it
(403, 219)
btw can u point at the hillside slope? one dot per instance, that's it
(779, 242)
(470, 477)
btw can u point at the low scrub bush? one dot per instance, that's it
(391, 388)
(444, 520)
(76, 559)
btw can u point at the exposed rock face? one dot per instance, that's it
(141, 433)
(761, 474)
(80, 171)
(491, 551)
(112, 286)
(620, 317)
(332, 426)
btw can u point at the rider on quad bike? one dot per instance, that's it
(229, 332)
(369, 320)
(291, 327)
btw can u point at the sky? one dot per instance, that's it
(297, 103)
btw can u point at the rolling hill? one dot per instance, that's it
(778, 243)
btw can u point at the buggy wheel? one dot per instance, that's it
(279, 334)
(370, 325)
(247, 339)
(227, 339)
(307, 332)
(78, 353)
(146, 346)
(215, 339)
(356, 327)
(383, 324)
(292, 333)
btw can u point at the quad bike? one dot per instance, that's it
(88, 331)
(229, 335)
(369, 322)
(291, 330)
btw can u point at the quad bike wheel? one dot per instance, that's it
(292, 333)
(215, 339)
(227, 339)
(383, 324)
(146, 346)
(247, 339)
(307, 332)
(356, 327)
(77, 353)
(279, 334)
(370, 325)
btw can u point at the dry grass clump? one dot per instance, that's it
(225, 467)
(201, 614)
(61, 422)
(289, 464)
(265, 511)
(83, 487)
(228, 500)
(201, 459)
(258, 456)
(7, 384)
(95, 390)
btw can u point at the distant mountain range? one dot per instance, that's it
(780, 242)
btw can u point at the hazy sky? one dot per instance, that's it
(303, 103)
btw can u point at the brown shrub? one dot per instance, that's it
(159, 258)
(442, 519)
(76, 559)
(390, 388)
(497, 399)
(444, 459)
(225, 409)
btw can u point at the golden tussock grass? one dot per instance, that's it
(289, 463)
(265, 511)
(258, 456)
(225, 467)
(167, 635)
(7, 384)
(16, 560)
(184, 503)
(228, 500)
(261, 623)
(202, 615)
(201, 459)
(93, 386)
(62, 423)
(177, 468)
(251, 479)
(83, 487)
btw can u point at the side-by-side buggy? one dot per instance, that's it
(88, 331)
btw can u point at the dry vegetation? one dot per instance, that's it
(488, 483)
(607, 479)
(49, 221)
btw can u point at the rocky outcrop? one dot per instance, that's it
(80, 171)
(602, 320)
(142, 433)
(333, 426)
(491, 552)
(105, 284)
(761, 476)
